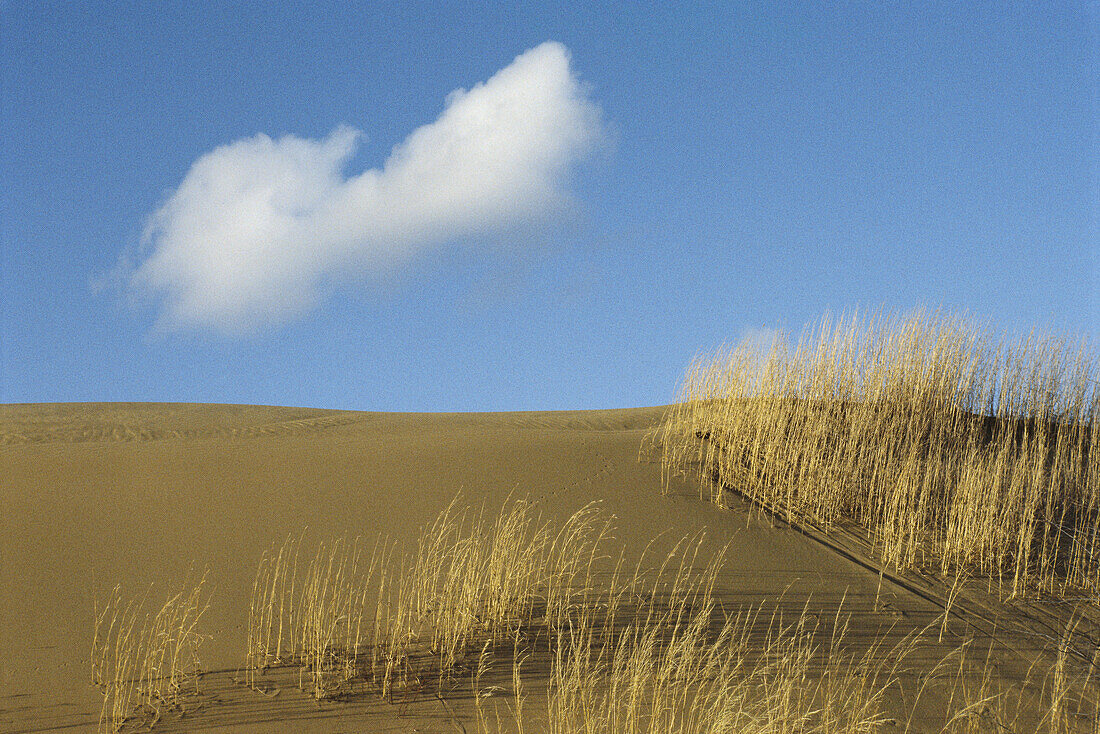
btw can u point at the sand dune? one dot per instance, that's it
(138, 494)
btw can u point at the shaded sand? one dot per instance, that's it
(137, 494)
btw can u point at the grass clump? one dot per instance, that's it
(953, 447)
(692, 670)
(315, 621)
(145, 662)
(399, 623)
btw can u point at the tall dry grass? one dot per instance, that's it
(145, 662)
(315, 620)
(647, 647)
(642, 648)
(953, 446)
(402, 622)
(1063, 699)
(655, 652)
(687, 677)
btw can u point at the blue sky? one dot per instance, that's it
(218, 203)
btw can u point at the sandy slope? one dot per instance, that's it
(96, 494)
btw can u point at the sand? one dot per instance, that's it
(98, 494)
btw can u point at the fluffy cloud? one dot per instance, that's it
(258, 224)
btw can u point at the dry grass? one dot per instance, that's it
(656, 653)
(632, 649)
(471, 586)
(953, 447)
(315, 621)
(692, 669)
(678, 662)
(1058, 702)
(145, 662)
(642, 649)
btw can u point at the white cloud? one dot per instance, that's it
(258, 224)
